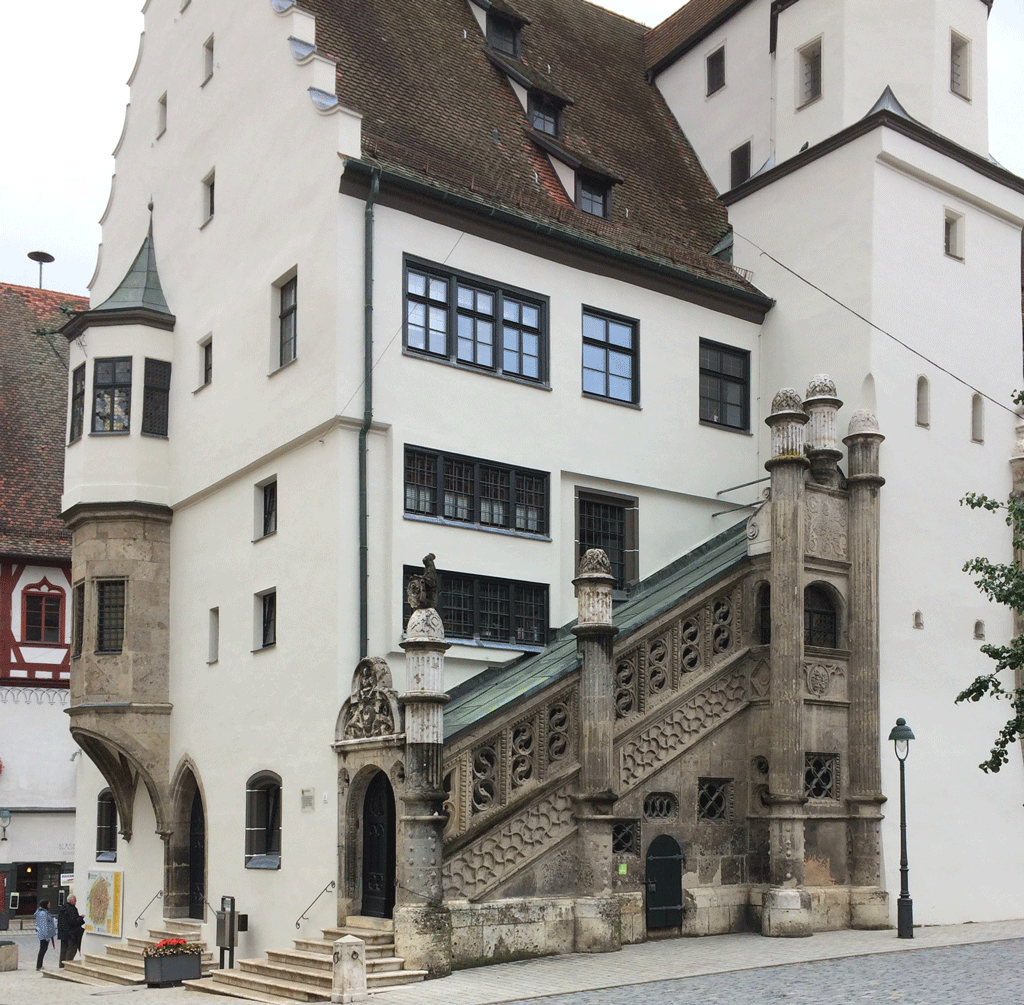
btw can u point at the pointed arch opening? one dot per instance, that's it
(379, 848)
(185, 869)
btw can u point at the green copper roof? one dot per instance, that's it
(141, 286)
(501, 686)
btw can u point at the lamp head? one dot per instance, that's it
(901, 735)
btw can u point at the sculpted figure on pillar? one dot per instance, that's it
(421, 591)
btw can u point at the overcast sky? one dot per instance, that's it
(63, 67)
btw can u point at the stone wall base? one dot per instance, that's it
(786, 913)
(832, 908)
(423, 938)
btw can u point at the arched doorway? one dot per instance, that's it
(379, 848)
(196, 858)
(664, 883)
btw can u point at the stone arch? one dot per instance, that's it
(184, 876)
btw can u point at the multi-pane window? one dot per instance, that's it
(263, 822)
(77, 402)
(821, 623)
(156, 394)
(474, 491)
(714, 797)
(289, 296)
(716, 70)
(592, 195)
(268, 619)
(43, 617)
(739, 164)
(77, 618)
(821, 776)
(809, 63)
(475, 324)
(106, 827)
(502, 34)
(112, 395)
(484, 609)
(724, 385)
(110, 603)
(545, 114)
(610, 524)
(610, 357)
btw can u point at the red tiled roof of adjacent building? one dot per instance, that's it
(33, 408)
(686, 24)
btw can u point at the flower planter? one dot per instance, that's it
(166, 970)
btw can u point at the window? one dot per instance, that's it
(977, 419)
(592, 194)
(821, 776)
(809, 68)
(106, 827)
(77, 618)
(545, 114)
(266, 624)
(979, 630)
(960, 65)
(213, 650)
(475, 492)
(626, 837)
(763, 627)
(287, 317)
(610, 356)
(739, 164)
(112, 395)
(660, 806)
(724, 385)
(155, 397)
(609, 522)
(488, 610)
(263, 821)
(206, 361)
(923, 402)
(77, 403)
(110, 607)
(918, 620)
(161, 115)
(953, 234)
(474, 324)
(503, 34)
(43, 616)
(209, 185)
(714, 798)
(716, 70)
(821, 623)
(207, 59)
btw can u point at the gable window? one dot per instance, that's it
(503, 34)
(77, 403)
(106, 827)
(545, 114)
(263, 821)
(821, 623)
(287, 320)
(43, 616)
(739, 165)
(110, 606)
(112, 395)
(716, 70)
(156, 393)
(489, 610)
(77, 618)
(609, 523)
(959, 65)
(809, 69)
(475, 492)
(724, 385)
(592, 194)
(953, 234)
(610, 356)
(470, 322)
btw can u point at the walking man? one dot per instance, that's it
(69, 929)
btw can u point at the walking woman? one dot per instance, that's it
(46, 929)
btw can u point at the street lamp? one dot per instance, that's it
(901, 736)
(5, 820)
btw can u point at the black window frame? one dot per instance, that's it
(106, 827)
(714, 74)
(544, 111)
(606, 345)
(109, 387)
(288, 327)
(739, 164)
(709, 416)
(714, 800)
(207, 362)
(263, 821)
(77, 403)
(268, 619)
(593, 194)
(111, 611)
(503, 34)
(623, 511)
(821, 618)
(477, 316)
(268, 494)
(821, 775)
(432, 480)
(474, 597)
(156, 397)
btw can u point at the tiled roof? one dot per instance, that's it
(436, 108)
(685, 27)
(33, 407)
(499, 687)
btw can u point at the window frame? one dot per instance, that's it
(112, 387)
(106, 827)
(156, 397)
(502, 294)
(742, 355)
(436, 507)
(496, 25)
(54, 593)
(735, 171)
(593, 195)
(821, 620)
(263, 822)
(718, 79)
(288, 321)
(959, 47)
(265, 620)
(954, 236)
(546, 108)
(627, 568)
(810, 56)
(77, 409)
(265, 509)
(205, 362)
(105, 632)
(633, 353)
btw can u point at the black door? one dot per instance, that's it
(196, 858)
(664, 883)
(379, 848)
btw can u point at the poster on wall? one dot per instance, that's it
(103, 899)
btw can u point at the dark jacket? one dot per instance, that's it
(68, 922)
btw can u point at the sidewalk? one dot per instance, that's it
(641, 964)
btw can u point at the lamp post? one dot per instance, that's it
(901, 735)
(5, 820)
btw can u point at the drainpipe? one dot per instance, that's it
(364, 574)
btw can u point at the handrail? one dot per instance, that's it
(156, 896)
(302, 917)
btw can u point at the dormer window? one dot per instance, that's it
(592, 194)
(545, 114)
(503, 34)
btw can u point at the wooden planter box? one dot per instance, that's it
(166, 970)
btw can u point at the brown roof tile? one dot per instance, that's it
(685, 27)
(33, 407)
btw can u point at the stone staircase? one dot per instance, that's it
(305, 973)
(121, 963)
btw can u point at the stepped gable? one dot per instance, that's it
(33, 410)
(502, 686)
(439, 108)
(685, 28)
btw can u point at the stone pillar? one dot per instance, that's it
(822, 440)
(788, 466)
(597, 928)
(349, 971)
(869, 906)
(422, 922)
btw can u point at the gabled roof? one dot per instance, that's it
(436, 107)
(502, 686)
(33, 408)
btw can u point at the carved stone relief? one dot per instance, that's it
(825, 526)
(372, 709)
(760, 680)
(824, 679)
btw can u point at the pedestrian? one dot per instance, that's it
(69, 929)
(46, 930)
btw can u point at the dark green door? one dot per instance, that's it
(379, 848)
(664, 883)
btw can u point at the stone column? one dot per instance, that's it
(822, 440)
(422, 922)
(785, 911)
(869, 905)
(597, 928)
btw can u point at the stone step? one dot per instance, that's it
(227, 991)
(321, 946)
(371, 936)
(392, 978)
(292, 990)
(112, 961)
(159, 934)
(362, 921)
(106, 974)
(72, 978)
(303, 960)
(287, 972)
(384, 964)
(183, 925)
